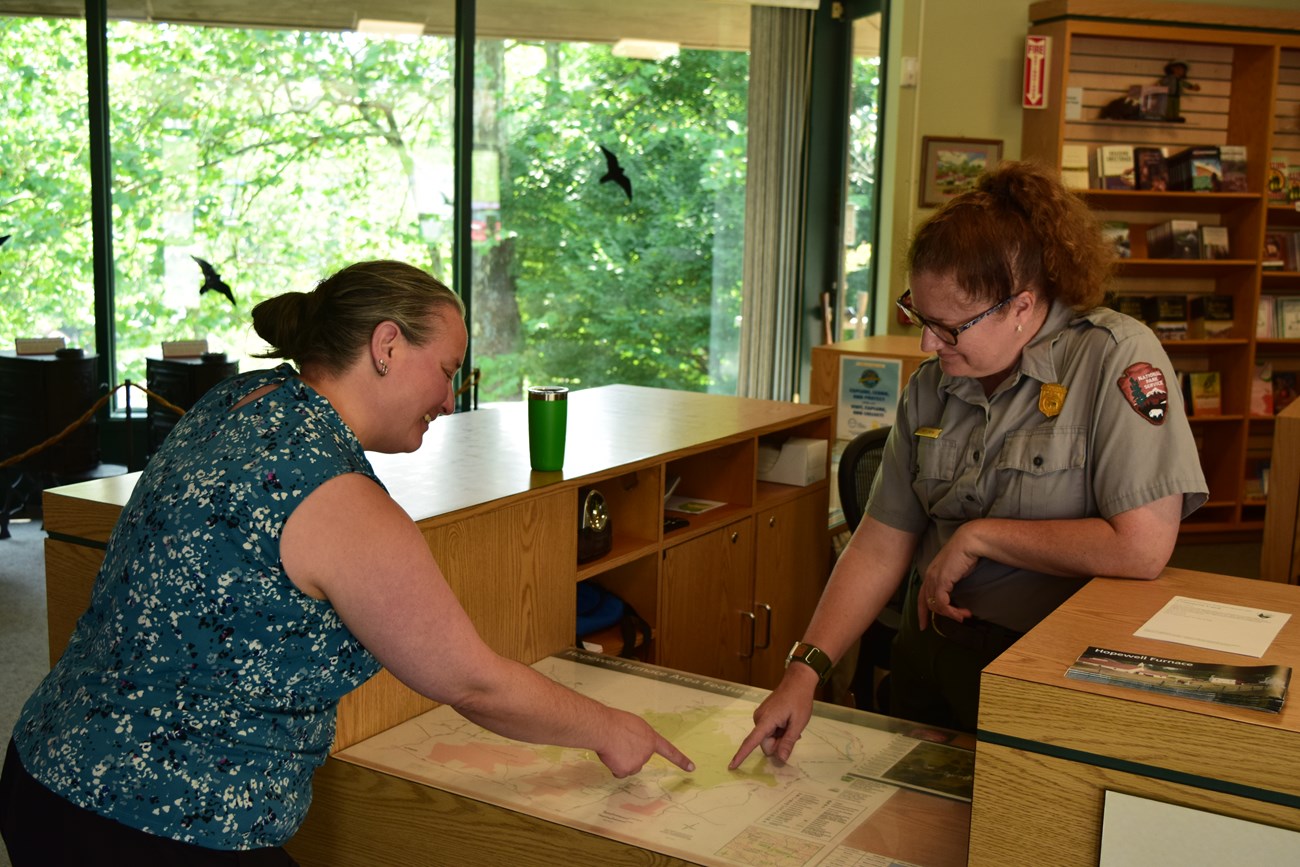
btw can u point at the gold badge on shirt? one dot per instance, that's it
(1051, 398)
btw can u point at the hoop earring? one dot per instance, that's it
(383, 366)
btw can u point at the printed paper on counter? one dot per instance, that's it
(1215, 625)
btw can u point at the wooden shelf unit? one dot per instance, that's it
(1247, 63)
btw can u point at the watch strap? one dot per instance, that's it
(812, 656)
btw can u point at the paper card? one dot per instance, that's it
(868, 399)
(1143, 832)
(691, 505)
(1215, 625)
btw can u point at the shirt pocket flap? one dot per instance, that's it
(936, 459)
(1039, 452)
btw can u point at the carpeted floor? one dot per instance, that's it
(24, 647)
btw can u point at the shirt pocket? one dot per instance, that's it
(936, 465)
(1042, 474)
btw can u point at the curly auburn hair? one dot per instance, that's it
(1018, 229)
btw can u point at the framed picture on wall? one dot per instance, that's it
(950, 166)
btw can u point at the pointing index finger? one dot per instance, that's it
(665, 748)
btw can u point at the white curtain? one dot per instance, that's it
(779, 85)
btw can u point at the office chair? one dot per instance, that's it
(858, 466)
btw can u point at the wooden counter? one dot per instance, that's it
(725, 597)
(440, 790)
(1050, 747)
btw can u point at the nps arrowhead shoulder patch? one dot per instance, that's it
(1143, 386)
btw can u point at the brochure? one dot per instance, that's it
(690, 505)
(1262, 687)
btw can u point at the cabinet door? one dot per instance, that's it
(705, 619)
(791, 564)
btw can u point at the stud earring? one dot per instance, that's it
(1019, 328)
(383, 367)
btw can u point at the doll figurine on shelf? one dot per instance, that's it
(1175, 80)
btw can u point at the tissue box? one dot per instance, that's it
(798, 461)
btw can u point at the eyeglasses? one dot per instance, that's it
(945, 333)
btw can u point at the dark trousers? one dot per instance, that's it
(935, 675)
(40, 828)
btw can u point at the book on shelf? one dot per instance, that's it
(1232, 160)
(1151, 170)
(1198, 169)
(1174, 239)
(1210, 316)
(1115, 167)
(1261, 687)
(1261, 390)
(1266, 317)
(1288, 316)
(1129, 305)
(1117, 233)
(1257, 473)
(1285, 388)
(1293, 183)
(1214, 242)
(1276, 183)
(1204, 393)
(1167, 316)
(1074, 166)
(1073, 105)
(1279, 250)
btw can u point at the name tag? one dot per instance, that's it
(930, 433)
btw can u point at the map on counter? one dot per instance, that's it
(764, 813)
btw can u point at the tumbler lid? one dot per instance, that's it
(547, 392)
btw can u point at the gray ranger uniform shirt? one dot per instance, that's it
(1118, 439)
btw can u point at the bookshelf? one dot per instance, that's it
(1247, 65)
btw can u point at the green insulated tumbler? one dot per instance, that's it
(548, 415)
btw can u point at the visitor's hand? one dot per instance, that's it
(631, 742)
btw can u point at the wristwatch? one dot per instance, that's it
(813, 657)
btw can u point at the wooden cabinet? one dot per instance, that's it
(735, 599)
(828, 361)
(739, 583)
(181, 382)
(40, 395)
(1247, 65)
(791, 565)
(706, 620)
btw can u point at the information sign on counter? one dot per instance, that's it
(869, 389)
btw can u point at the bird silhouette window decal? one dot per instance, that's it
(212, 280)
(614, 172)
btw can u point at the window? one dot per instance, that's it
(46, 276)
(275, 156)
(592, 269)
(276, 153)
(855, 302)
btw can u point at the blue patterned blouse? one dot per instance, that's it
(198, 693)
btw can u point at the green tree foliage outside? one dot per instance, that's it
(279, 156)
(647, 291)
